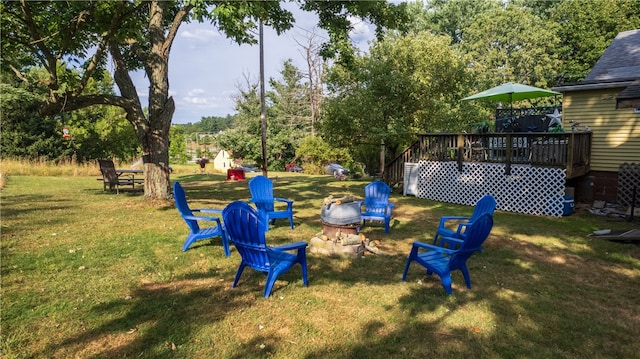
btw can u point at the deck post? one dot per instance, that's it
(460, 154)
(509, 153)
(570, 149)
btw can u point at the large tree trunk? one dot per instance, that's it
(152, 131)
(155, 140)
(156, 154)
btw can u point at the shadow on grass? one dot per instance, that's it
(535, 308)
(151, 317)
(556, 300)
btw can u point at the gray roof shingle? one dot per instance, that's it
(620, 61)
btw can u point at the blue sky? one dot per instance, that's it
(206, 68)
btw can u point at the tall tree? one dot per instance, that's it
(177, 146)
(407, 85)
(139, 35)
(512, 44)
(448, 17)
(25, 133)
(586, 29)
(314, 76)
(288, 113)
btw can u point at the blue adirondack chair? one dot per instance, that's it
(376, 204)
(196, 233)
(247, 233)
(486, 204)
(261, 189)
(443, 261)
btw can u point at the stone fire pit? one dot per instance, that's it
(340, 234)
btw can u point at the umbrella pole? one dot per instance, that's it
(511, 106)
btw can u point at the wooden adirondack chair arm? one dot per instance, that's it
(283, 200)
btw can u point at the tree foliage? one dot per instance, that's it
(407, 85)
(316, 153)
(177, 145)
(26, 134)
(586, 28)
(96, 132)
(449, 17)
(541, 43)
(521, 47)
(139, 35)
(288, 118)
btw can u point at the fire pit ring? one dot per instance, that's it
(341, 213)
(331, 230)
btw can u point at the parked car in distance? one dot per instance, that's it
(293, 167)
(250, 169)
(336, 170)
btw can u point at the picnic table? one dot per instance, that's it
(130, 176)
(130, 173)
(114, 178)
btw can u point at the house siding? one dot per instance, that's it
(223, 161)
(616, 132)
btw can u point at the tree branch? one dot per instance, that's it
(122, 78)
(76, 103)
(19, 74)
(175, 25)
(95, 59)
(50, 60)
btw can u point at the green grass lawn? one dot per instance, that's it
(92, 274)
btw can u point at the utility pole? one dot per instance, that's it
(263, 114)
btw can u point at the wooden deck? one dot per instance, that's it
(571, 151)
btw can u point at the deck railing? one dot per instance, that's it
(567, 150)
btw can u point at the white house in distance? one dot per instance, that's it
(223, 161)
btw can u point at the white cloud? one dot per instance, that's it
(199, 34)
(202, 101)
(195, 92)
(361, 30)
(193, 100)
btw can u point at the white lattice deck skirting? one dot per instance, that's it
(529, 189)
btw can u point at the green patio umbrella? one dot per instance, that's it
(509, 92)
